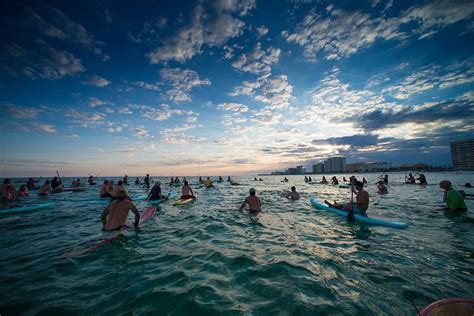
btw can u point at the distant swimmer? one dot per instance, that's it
(364, 181)
(115, 215)
(76, 184)
(91, 180)
(382, 188)
(293, 194)
(4, 185)
(176, 180)
(285, 179)
(260, 179)
(361, 204)
(468, 185)
(385, 179)
(309, 179)
(56, 184)
(306, 179)
(125, 180)
(23, 192)
(8, 194)
(334, 180)
(255, 179)
(410, 179)
(137, 181)
(228, 179)
(155, 193)
(422, 179)
(454, 200)
(187, 191)
(220, 179)
(105, 190)
(146, 181)
(31, 184)
(252, 201)
(45, 189)
(208, 183)
(117, 188)
(324, 180)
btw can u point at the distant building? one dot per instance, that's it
(368, 166)
(335, 164)
(318, 168)
(299, 170)
(462, 154)
(291, 171)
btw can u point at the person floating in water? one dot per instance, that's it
(228, 179)
(306, 179)
(90, 180)
(422, 179)
(309, 179)
(137, 181)
(115, 215)
(220, 179)
(361, 204)
(125, 180)
(382, 188)
(31, 184)
(454, 200)
(334, 180)
(45, 189)
(22, 192)
(364, 181)
(105, 190)
(187, 191)
(255, 179)
(293, 194)
(252, 201)
(324, 181)
(208, 183)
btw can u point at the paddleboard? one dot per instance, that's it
(9, 219)
(172, 194)
(184, 201)
(154, 202)
(450, 306)
(90, 246)
(26, 208)
(373, 220)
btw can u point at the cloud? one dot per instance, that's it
(257, 61)
(98, 81)
(181, 82)
(147, 86)
(262, 30)
(47, 128)
(235, 107)
(125, 110)
(354, 141)
(141, 133)
(45, 61)
(94, 102)
(60, 26)
(149, 32)
(210, 26)
(162, 113)
(20, 111)
(338, 34)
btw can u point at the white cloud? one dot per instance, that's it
(141, 133)
(340, 34)
(257, 61)
(235, 107)
(125, 110)
(94, 102)
(47, 128)
(262, 30)
(162, 113)
(148, 86)
(211, 28)
(181, 82)
(98, 81)
(20, 112)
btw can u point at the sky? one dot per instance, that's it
(230, 87)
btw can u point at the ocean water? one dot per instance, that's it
(207, 258)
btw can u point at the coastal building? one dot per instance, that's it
(318, 168)
(368, 166)
(462, 154)
(299, 170)
(291, 171)
(335, 164)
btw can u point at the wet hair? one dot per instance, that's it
(185, 182)
(252, 191)
(122, 195)
(120, 182)
(293, 188)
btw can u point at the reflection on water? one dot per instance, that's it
(207, 257)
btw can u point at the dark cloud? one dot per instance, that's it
(355, 141)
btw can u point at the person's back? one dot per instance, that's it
(455, 201)
(252, 201)
(186, 191)
(105, 190)
(293, 194)
(115, 215)
(45, 188)
(208, 182)
(117, 189)
(155, 193)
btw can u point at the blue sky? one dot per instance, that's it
(231, 87)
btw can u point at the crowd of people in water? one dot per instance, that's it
(114, 216)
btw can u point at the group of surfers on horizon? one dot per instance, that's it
(115, 214)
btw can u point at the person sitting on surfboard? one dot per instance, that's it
(228, 179)
(293, 194)
(410, 179)
(454, 200)
(208, 183)
(324, 180)
(115, 215)
(155, 193)
(56, 183)
(253, 201)
(187, 192)
(137, 181)
(361, 203)
(334, 180)
(382, 188)
(422, 179)
(45, 189)
(104, 190)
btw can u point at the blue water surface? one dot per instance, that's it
(208, 258)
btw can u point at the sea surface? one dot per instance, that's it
(207, 258)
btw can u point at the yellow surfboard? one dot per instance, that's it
(183, 201)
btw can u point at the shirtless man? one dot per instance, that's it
(104, 190)
(115, 215)
(293, 194)
(361, 204)
(187, 192)
(45, 189)
(382, 188)
(117, 188)
(253, 201)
